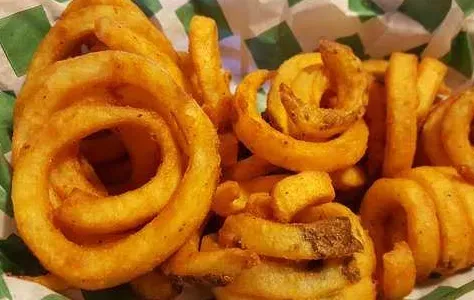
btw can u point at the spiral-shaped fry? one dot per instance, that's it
(298, 113)
(155, 129)
(85, 277)
(435, 202)
(283, 279)
(283, 150)
(445, 134)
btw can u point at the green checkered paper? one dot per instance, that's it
(253, 34)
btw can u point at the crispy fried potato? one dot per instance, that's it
(431, 139)
(117, 36)
(290, 280)
(376, 67)
(431, 73)
(453, 222)
(399, 272)
(112, 214)
(229, 199)
(285, 151)
(249, 168)
(260, 205)
(294, 193)
(386, 196)
(351, 83)
(402, 102)
(209, 243)
(322, 239)
(152, 243)
(204, 51)
(348, 179)
(216, 268)
(286, 74)
(455, 134)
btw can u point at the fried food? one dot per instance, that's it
(198, 181)
(402, 103)
(285, 151)
(248, 168)
(294, 193)
(432, 143)
(216, 268)
(431, 73)
(351, 82)
(348, 179)
(288, 72)
(324, 239)
(399, 271)
(205, 56)
(455, 134)
(417, 221)
(93, 216)
(232, 197)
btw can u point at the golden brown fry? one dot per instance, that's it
(286, 74)
(376, 67)
(399, 272)
(386, 196)
(229, 199)
(351, 84)
(204, 51)
(466, 194)
(216, 268)
(285, 151)
(431, 139)
(260, 205)
(453, 222)
(310, 84)
(402, 102)
(154, 286)
(152, 243)
(157, 37)
(322, 239)
(232, 197)
(364, 260)
(455, 134)
(69, 174)
(118, 36)
(294, 193)
(249, 168)
(348, 179)
(431, 73)
(112, 214)
(228, 149)
(209, 243)
(290, 280)
(376, 117)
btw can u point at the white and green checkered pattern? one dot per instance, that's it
(253, 34)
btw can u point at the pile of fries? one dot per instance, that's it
(135, 163)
